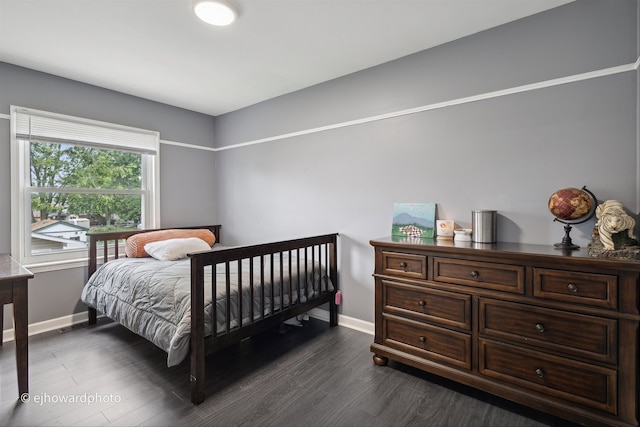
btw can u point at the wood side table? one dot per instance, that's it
(14, 279)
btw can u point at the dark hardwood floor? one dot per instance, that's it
(311, 376)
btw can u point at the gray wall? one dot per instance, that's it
(187, 174)
(506, 153)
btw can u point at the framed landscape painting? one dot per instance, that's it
(414, 220)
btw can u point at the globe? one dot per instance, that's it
(571, 204)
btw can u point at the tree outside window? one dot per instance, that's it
(74, 167)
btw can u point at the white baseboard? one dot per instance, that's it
(48, 325)
(346, 321)
(74, 319)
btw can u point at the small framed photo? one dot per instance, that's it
(444, 228)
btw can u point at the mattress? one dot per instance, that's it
(153, 298)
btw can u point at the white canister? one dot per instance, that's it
(462, 235)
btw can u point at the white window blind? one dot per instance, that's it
(50, 127)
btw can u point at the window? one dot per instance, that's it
(72, 176)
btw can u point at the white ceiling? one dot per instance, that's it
(158, 50)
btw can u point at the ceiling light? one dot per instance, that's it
(214, 12)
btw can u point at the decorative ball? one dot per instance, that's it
(570, 204)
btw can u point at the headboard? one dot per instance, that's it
(113, 237)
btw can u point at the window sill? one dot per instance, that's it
(57, 265)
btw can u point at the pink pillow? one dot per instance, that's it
(134, 245)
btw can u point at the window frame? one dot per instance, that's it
(21, 188)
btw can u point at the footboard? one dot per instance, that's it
(273, 277)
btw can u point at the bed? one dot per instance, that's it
(177, 304)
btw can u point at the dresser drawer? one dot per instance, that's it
(428, 341)
(586, 336)
(430, 305)
(404, 265)
(577, 382)
(599, 290)
(487, 275)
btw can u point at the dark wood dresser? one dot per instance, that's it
(550, 329)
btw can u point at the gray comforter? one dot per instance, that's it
(153, 298)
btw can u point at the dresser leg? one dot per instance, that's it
(380, 360)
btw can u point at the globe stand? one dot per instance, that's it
(566, 242)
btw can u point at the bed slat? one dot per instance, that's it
(214, 290)
(251, 291)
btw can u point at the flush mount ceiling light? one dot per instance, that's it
(214, 12)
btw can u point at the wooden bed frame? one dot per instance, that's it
(104, 246)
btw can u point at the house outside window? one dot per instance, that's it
(73, 176)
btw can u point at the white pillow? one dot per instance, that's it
(173, 249)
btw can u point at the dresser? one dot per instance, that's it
(551, 329)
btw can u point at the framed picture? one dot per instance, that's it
(414, 220)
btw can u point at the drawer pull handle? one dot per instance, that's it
(540, 372)
(475, 274)
(403, 264)
(422, 303)
(572, 288)
(422, 340)
(539, 327)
